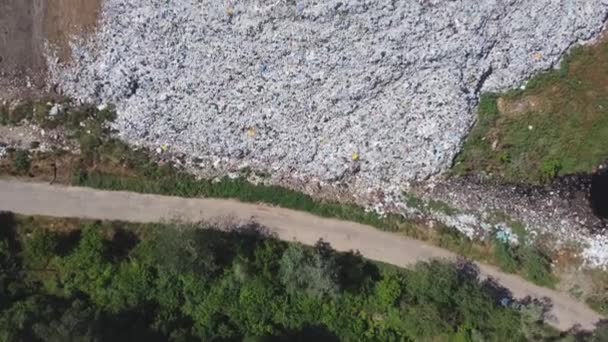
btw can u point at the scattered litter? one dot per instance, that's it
(56, 110)
(351, 100)
(505, 234)
(342, 95)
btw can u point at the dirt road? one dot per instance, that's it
(289, 225)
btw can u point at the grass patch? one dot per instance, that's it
(556, 126)
(185, 185)
(442, 207)
(598, 299)
(415, 202)
(530, 262)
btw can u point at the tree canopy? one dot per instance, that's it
(188, 283)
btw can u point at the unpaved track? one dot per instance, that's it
(289, 225)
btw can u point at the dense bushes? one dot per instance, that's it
(183, 283)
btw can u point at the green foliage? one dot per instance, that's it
(313, 272)
(476, 146)
(388, 290)
(537, 267)
(87, 268)
(22, 162)
(442, 207)
(18, 318)
(413, 201)
(79, 322)
(4, 116)
(598, 302)
(505, 257)
(556, 126)
(550, 168)
(601, 332)
(39, 247)
(40, 112)
(22, 111)
(533, 263)
(229, 290)
(185, 249)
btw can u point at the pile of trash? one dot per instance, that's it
(381, 91)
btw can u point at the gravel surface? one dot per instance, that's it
(382, 90)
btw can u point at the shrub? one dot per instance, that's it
(549, 169)
(537, 267)
(388, 290)
(313, 272)
(505, 257)
(22, 162)
(40, 247)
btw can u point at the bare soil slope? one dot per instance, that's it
(25, 26)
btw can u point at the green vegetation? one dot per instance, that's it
(415, 202)
(598, 299)
(556, 126)
(535, 264)
(111, 281)
(166, 180)
(21, 162)
(107, 163)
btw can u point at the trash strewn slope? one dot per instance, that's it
(302, 87)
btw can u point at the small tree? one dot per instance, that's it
(40, 247)
(22, 162)
(314, 272)
(79, 322)
(184, 249)
(389, 289)
(87, 269)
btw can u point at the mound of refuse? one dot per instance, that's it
(384, 90)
